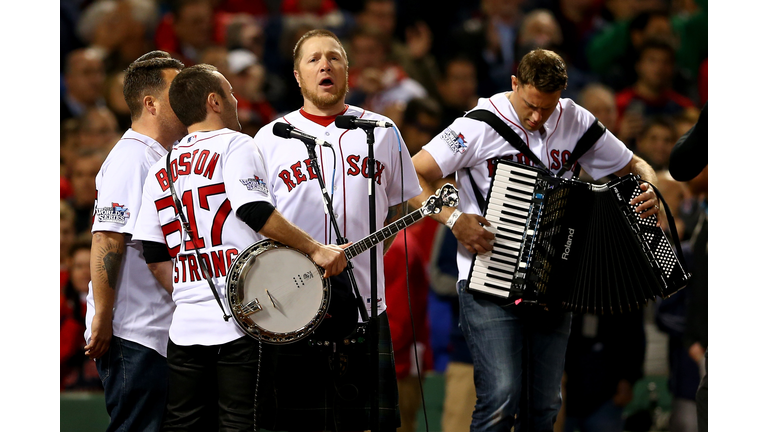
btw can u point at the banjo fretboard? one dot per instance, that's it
(379, 236)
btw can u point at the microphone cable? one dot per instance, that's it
(407, 280)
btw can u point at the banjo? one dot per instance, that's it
(278, 294)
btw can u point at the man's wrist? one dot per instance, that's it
(453, 218)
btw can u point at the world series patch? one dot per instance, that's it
(255, 184)
(455, 141)
(115, 214)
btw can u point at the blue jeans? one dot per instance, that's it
(607, 418)
(495, 336)
(135, 380)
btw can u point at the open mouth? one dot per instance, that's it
(326, 82)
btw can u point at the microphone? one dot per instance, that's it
(284, 130)
(352, 122)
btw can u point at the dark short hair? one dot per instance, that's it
(152, 55)
(145, 77)
(657, 43)
(176, 6)
(315, 33)
(418, 106)
(659, 120)
(444, 64)
(641, 20)
(81, 242)
(189, 92)
(543, 69)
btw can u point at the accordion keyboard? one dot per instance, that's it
(513, 210)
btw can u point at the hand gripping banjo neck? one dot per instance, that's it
(446, 196)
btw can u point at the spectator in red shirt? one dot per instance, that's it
(652, 92)
(77, 372)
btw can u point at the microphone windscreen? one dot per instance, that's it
(283, 130)
(345, 122)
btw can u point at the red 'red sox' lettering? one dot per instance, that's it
(355, 169)
(295, 175)
(559, 159)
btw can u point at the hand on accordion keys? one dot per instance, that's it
(470, 231)
(648, 203)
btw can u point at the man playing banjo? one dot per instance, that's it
(216, 175)
(311, 388)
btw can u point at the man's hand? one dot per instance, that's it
(696, 352)
(623, 394)
(470, 233)
(101, 335)
(650, 204)
(419, 40)
(331, 258)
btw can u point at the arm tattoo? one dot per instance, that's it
(110, 257)
(395, 213)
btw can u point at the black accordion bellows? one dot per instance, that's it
(582, 247)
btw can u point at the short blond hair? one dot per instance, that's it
(309, 35)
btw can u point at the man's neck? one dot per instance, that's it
(154, 131)
(209, 124)
(333, 110)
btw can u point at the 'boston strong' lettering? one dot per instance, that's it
(188, 269)
(196, 162)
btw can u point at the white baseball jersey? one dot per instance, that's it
(474, 144)
(344, 171)
(142, 309)
(214, 173)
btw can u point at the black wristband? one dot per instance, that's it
(155, 252)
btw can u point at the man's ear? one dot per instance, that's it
(514, 83)
(214, 101)
(149, 104)
(296, 76)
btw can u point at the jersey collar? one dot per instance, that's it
(150, 142)
(322, 120)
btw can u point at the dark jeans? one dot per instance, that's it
(702, 396)
(496, 336)
(212, 387)
(607, 418)
(135, 380)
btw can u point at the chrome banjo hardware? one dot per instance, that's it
(293, 283)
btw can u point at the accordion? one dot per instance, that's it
(572, 245)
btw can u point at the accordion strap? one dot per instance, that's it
(506, 132)
(672, 227)
(509, 135)
(590, 137)
(188, 231)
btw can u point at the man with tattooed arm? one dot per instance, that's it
(128, 311)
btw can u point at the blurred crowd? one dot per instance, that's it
(640, 66)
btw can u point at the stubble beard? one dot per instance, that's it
(325, 100)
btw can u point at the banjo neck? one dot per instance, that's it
(379, 236)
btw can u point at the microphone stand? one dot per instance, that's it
(374, 321)
(339, 239)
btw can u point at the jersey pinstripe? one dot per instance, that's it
(297, 196)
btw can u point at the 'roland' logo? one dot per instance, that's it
(568, 244)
